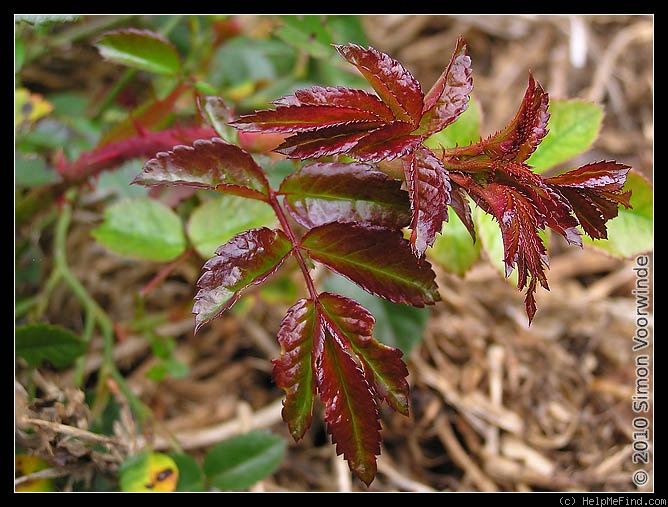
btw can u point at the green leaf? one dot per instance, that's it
(140, 49)
(215, 221)
(191, 476)
(43, 343)
(218, 114)
(454, 249)
(397, 325)
(142, 228)
(31, 172)
(632, 231)
(246, 60)
(307, 33)
(19, 54)
(573, 127)
(116, 182)
(239, 462)
(148, 472)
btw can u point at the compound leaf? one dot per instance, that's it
(449, 96)
(397, 325)
(632, 232)
(595, 192)
(392, 82)
(350, 409)
(429, 188)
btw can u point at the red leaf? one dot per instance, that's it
(247, 259)
(329, 345)
(385, 143)
(449, 96)
(551, 208)
(595, 193)
(322, 142)
(518, 140)
(212, 164)
(379, 260)
(350, 409)
(383, 367)
(392, 82)
(340, 97)
(302, 118)
(148, 116)
(523, 247)
(141, 145)
(429, 189)
(460, 204)
(335, 192)
(301, 338)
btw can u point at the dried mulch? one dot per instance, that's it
(496, 405)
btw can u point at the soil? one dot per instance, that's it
(496, 404)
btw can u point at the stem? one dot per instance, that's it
(285, 225)
(118, 86)
(94, 313)
(164, 272)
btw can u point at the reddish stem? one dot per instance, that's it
(285, 225)
(164, 272)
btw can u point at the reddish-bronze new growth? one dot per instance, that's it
(351, 218)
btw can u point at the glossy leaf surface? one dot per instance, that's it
(632, 232)
(449, 96)
(429, 188)
(382, 365)
(377, 259)
(329, 192)
(300, 337)
(595, 191)
(392, 82)
(212, 164)
(248, 258)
